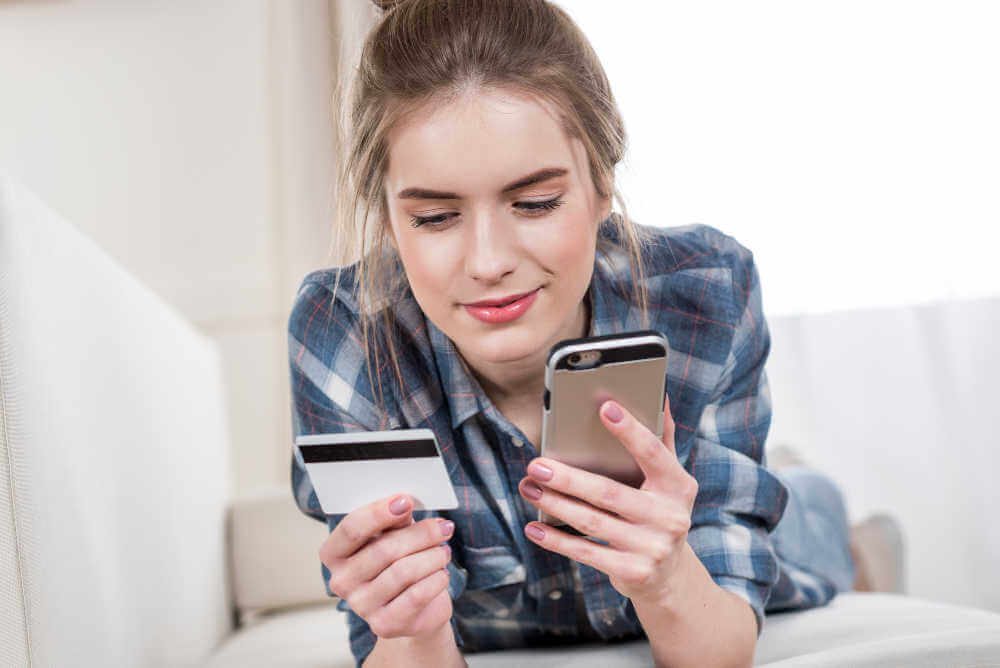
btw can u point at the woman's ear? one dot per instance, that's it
(606, 201)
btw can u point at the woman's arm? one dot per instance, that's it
(386, 627)
(698, 624)
(688, 618)
(691, 555)
(438, 650)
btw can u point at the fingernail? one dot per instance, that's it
(399, 506)
(533, 531)
(532, 491)
(447, 549)
(447, 527)
(540, 472)
(613, 413)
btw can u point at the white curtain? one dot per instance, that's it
(899, 405)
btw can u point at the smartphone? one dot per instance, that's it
(580, 375)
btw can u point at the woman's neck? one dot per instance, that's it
(512, 384)
(516, 386)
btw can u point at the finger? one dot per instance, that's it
(616, 563)
(434, 615)
(669, 427)
(591, 521)
(597, 490)
(654, 457)
(402, 610)
(380, 554)
(395, 579)
(363, 524)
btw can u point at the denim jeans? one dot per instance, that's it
(813, 533)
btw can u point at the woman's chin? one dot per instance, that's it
(504, 347)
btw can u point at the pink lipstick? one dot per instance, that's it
(502, 309)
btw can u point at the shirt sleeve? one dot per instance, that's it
(739, 502)
(328, 388)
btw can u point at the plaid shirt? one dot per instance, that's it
(704, 295)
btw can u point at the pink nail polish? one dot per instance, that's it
(399, 505)
(533, 531)
(613, 413)
(532, 491)
(540, 472)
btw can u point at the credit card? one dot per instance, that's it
(350, 470)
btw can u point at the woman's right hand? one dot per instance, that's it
(390, 569)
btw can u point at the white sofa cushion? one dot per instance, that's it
(276, 569)
(313, 636)
(856, 629)
(113, 471)
(274, 552)
(865, 629)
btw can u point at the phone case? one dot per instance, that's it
(630, 368)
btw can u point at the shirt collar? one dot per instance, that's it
(611, 309)
(461, 389)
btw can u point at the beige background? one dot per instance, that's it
(193, 141)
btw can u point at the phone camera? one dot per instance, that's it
(584, 360)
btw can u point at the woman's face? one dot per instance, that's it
(474, 232)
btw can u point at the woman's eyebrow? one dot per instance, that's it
(543, 174)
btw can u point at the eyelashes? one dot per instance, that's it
(531, 209)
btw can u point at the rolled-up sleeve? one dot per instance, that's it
(739, 502)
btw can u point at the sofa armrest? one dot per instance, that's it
(273, 554)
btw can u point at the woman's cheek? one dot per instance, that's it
(568, 227)
(431, 259)
(428, 267)
(570, 241)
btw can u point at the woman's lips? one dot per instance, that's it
(504, 313)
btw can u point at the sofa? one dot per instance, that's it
(123, 546)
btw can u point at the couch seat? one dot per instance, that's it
(854, 630)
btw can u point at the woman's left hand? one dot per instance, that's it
(645, 528)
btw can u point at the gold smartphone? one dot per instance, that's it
(580, 375)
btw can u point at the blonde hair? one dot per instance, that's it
(437, 49)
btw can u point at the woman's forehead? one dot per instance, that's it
(479, 139)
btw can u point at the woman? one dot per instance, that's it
(478, 180)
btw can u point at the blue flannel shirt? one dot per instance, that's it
(704, 296)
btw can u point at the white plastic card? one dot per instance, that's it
(350, 470)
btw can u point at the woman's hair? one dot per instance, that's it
(437, 49)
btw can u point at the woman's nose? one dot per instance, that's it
(491, 249)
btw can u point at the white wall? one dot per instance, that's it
(852, 145)
(191, 140)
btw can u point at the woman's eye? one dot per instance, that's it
(547, 205)
(529, 207)
(433, 221)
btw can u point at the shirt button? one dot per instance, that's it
(555, 594)
(518, 443)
